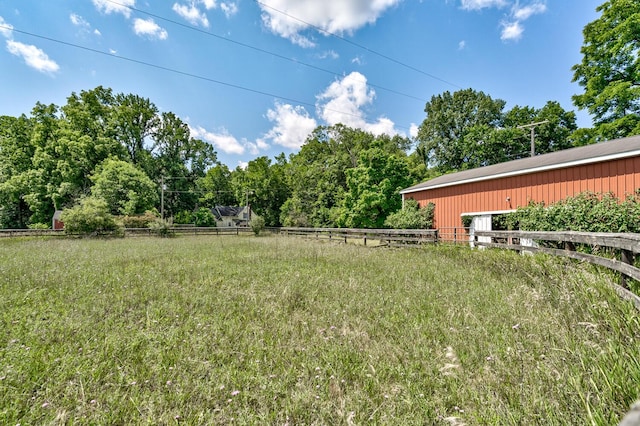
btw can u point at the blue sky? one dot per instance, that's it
(255, 78)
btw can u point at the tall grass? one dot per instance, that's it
(244, 330)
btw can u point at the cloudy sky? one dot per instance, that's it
(255, 77)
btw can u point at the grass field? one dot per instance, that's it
(269, 330)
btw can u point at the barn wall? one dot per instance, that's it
(618, 176)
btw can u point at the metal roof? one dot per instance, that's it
(603, 151)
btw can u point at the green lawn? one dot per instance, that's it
(270, 330)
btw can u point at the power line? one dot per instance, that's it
(258, 49)
(184, 73)
(360, 46)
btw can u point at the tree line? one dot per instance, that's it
(120, 149)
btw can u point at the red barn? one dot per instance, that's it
(612, 166)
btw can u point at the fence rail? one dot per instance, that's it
(624, 246)
(389, 237)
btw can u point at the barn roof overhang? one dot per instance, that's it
(596, 153)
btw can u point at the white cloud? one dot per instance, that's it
(33, 56)
(524, 13)
(122, 6)
(191, 14)
(288, 18)
(511, 31)
(113, 51)
(148, 28)
(512, 26)
(482, 4)
(229, 9)
(462, 44)
(343, 102)
(6, 29)
(292, 126)
(97, 32)
(78, 21)
(209, 4)
(413, 130)
(329, 54)
(222, 140)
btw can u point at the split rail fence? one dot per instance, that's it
(616, 251)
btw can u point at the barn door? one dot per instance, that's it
(480, 223)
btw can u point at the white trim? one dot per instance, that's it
(609, 157)
(488, 213)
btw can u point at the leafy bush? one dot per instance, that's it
(140, 220)
(161, 227)
(90, 217)
(412, 216)
(38, 226)
(184, 217)
(257, 224)
(587, 211)
(204, 217)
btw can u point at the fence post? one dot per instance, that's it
(437, 237)
(365, 239)
(626, 256)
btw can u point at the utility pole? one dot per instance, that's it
(532, 126)
(161, 197)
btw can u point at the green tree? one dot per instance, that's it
(215, 187)
(265, 187)
(317, 174)
(610, 70)
(373, 189)
(450, 117)
(126, 189)
(89, 217)
(16, 153)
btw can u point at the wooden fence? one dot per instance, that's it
(387, 237)
(615, 251)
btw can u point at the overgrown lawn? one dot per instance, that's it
(270, 330)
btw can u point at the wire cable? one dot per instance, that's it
(258, 49)
(184, 73)
(360, 46)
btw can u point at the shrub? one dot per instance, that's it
(161, 227)
(587, 211)
(89, 217)
(257, 224)
(184, 217)
(412, 216)
(38, 226)
(204, 217)
(140, 220)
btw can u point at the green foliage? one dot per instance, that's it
(183, 217)
(373, 189)
(469, 129)
(39, 226)
(257, 224)
(140, 220)
(161, 227)
(411, 216)
(610, 69)
(588, 212)
(90, 216)
(466, 221)
(126, 189)
(204, 217)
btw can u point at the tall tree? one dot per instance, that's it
(215, 187)
(126, 189)
(610, 70)
(449, 119)
(373, 189)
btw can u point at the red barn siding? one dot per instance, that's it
(621, 177)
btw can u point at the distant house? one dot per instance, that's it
(56, 222)
(232, 216)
